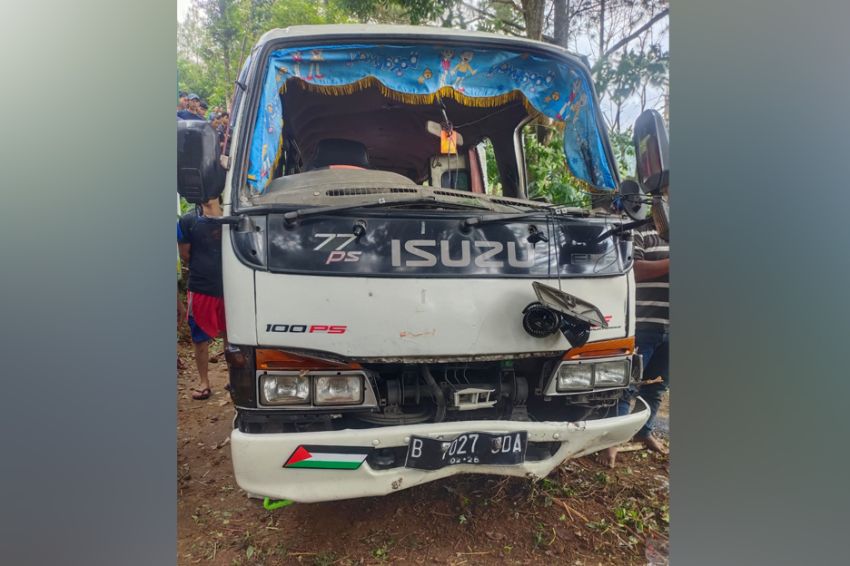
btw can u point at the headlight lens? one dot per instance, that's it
(574, 377)
(339, 389)
(285, 389)
(590, 375)
(611, 374)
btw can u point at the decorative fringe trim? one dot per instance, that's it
(408, 98)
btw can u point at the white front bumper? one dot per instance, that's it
(258, 458)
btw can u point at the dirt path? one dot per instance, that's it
(583, 514)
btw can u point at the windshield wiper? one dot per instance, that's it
(468, 223)
(620, 229)
(294, 215)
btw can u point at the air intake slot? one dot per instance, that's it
(367, 191)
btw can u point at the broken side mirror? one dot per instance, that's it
(200, 176)
(651, 152)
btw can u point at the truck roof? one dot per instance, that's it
(387, 31)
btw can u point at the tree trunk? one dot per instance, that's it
(601, 28)
(532, 12)
(617, 119)
(562, 22)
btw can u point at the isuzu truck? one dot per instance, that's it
(396, 314)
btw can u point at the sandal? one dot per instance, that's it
(201, 394)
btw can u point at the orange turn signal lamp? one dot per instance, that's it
(277, 359)
(602, 349)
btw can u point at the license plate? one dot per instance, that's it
(479, 448)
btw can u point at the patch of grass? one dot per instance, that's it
(381, 553)
(324, 559)
(636, 518)
(539, 534)
(630, 516)
(602, 526)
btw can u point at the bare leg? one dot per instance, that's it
(215, 357)
(202, 354)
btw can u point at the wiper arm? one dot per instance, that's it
(468, 223)
(621, 229)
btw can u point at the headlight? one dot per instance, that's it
(611, 374)
(574, 377)
(339, 389)
(285, 389)
(588, 376)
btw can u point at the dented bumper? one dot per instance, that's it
(258, 459)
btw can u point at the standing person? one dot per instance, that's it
(193, 108)
(199, 243)
(220, 125)
(652, 279)
(204, 109)
(182, 100)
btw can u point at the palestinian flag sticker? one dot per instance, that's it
(319, 457)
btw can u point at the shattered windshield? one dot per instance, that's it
(390, 117)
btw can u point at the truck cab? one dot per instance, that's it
(395, 314)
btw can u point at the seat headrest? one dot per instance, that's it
(339, 152)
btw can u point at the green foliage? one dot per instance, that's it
(624, 152)
(415, 12)
(217, 36)
(539, 534)
(630, 75)
(548, 175)
(381, 553)
(185, 206)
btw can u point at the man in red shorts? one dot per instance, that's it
(199, 242)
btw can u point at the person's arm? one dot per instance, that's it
(184, 246)
(649, 270)
(185, 252)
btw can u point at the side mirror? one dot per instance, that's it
(200, 176)
(651, 152)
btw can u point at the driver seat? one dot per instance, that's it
(339, 154)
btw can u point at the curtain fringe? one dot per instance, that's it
(409, 98)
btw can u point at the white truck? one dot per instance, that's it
(392, 318)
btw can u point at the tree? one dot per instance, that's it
(217, 36)
(416, 12)
(624, 39)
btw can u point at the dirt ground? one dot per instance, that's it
(582, 514)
